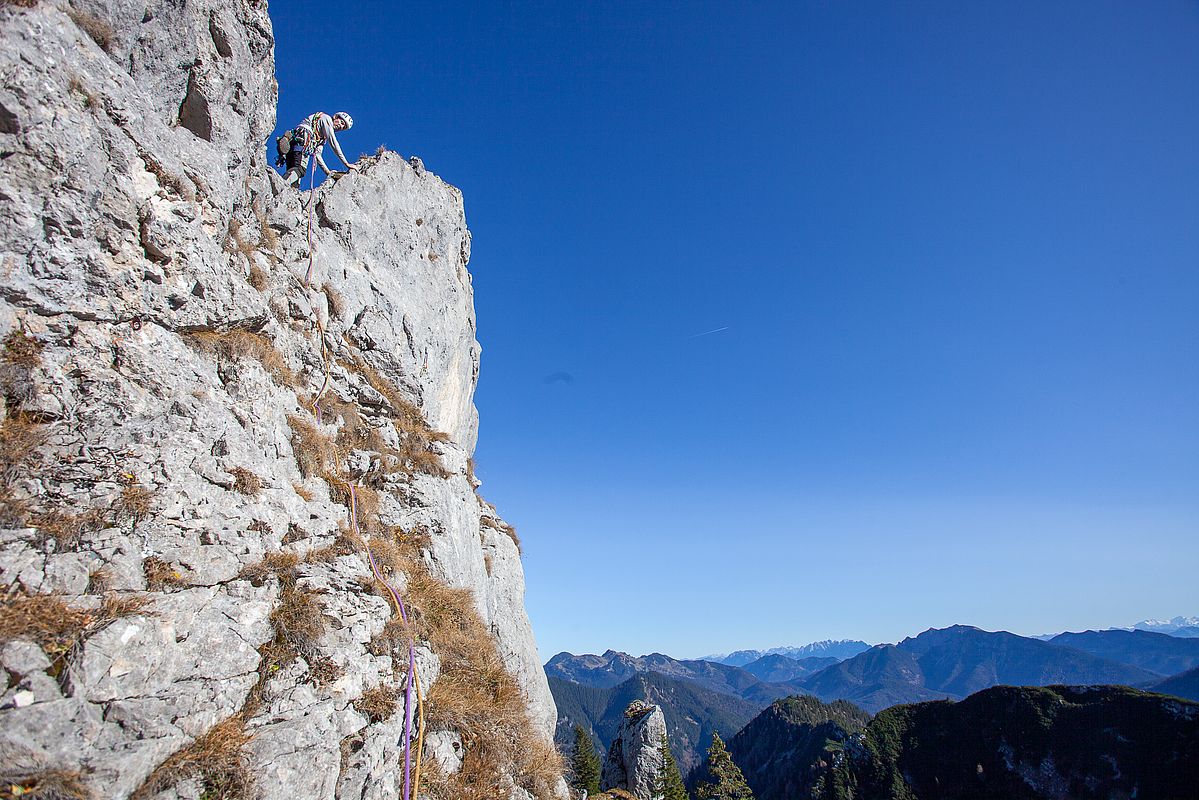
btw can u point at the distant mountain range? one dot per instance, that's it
(1178, 626)
(829, 648)
(1003, 743)
(613, 668)
(701, 696)
(954, 662)
(1165, 654)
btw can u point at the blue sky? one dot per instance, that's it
(812, 320)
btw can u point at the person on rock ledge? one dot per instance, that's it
(309, 138)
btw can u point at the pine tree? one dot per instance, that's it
(669, 785)
(728, 782)
(584, 763)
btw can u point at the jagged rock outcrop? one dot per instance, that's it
(634, 759)
(189, 610)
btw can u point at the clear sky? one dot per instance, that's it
(812, 320)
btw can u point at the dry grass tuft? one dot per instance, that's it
(99, 30)
(315, 453)
(99, 580)
(272, 565)
(268, 238)
(133, 502)
(20, 436)
(245, 482)
(322, 671)
(378, 703)
(66, 529)
(21, 350)
(161, 575)
(56, 627)
(303, 492)
(215, 761)
(258, 277)
(166, 179)
(236, 345)
(47, 784)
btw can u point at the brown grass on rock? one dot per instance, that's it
(258, 277)
(377, 703)
(237, 345)
(216, 761)
(67, 529)
(56, 627)
(271, 565)
(20, 436)
(21, 350)
(98, 29)
(315, 452)
(245, 482)
(46, 784)
(133, 502)
(161, 575)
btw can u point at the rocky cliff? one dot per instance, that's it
(634, 759)
(215, 472)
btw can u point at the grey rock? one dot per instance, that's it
(138, 204)
(634, 759)
(445, 749)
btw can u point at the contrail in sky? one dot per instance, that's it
(705, 333)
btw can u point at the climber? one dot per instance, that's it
(308, 138)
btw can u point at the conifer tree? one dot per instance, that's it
(584, 763)
(727, 781)
(669, 785)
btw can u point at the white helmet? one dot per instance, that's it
(344, 117)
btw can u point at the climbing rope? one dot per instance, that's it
(311, 217)
(413, 678)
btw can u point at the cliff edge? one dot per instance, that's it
(213, 469)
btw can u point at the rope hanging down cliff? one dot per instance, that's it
(412, 680)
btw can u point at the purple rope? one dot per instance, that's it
(411, 649)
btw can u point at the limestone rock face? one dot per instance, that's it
(160, 344)
(634, 759)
